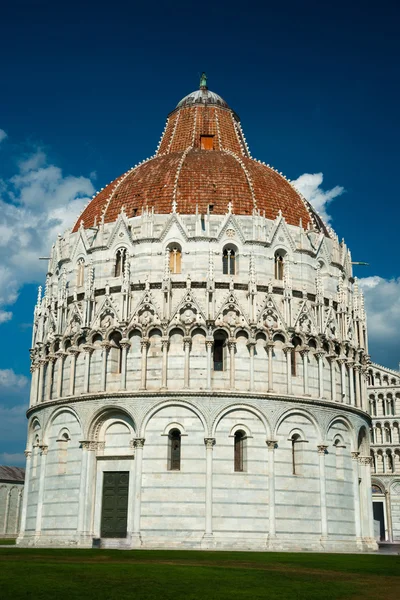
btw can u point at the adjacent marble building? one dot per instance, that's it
(199, 361)
(384, 407)
(11, 494)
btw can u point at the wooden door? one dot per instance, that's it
(114, 510)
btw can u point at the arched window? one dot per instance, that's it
(115, 355)
(219, 351)
(295, 440)
(174, 450)
(80, 272)
(229, 261)
(239, 451)
(296, 341)
(175, 259)
(339, 451)
(120, 260)
(279, 266)
(62, 443)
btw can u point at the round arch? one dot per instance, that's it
(55, 414)
(164, 404)
(227, 409)
(101, 416)
(347, 423)
(298, 411)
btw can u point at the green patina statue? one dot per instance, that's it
(203, 80)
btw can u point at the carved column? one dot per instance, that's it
(356, 494)
(73, 351)
(6, 511)
(88, 349)
(17, 514)
(28, 454)
(351, 382)
(320, 357)
(322, 483)
(389, 516)
(304, 354)
(366, 496)
(209, 442)
(144, 344)
(357, 370)
(82, 488)
(42, 362)
(270, 347)
(187, 342)
(232, 348)
(138, 444)
(50, 374)
(332, 358)
(164, 345)
(34, 384)
(271, 487)
(288, 352)
(342, 363)
(39, 511)
(60, 372)
(251, 346)
(105, 349)
(209, 347)
(125, 344)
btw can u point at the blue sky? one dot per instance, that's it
(84, 94)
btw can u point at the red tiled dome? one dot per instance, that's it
(202, 160)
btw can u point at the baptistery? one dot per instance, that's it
(199, 361)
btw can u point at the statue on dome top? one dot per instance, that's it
(203, 81)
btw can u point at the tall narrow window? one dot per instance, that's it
(175, 259)
(278, 266)
(239, 450)
(174, 458)
(339, 458)
(295, 439)
(120, 262)
(115, 353)
(63, 453)
(229, 261)
(80, 273)
(219, 354)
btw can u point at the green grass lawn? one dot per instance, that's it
(7, 541)
(172, 575)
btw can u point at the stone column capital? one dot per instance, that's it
(43, 449)
(125, 343)
(288, 348)
(355, 455)
(322, 448)
(320, 354)
(187, 340)
(251, 342)
(209, 342)
(209, 442)
(73, 350)
(28, 453)
(138, 442)
(304, 350)
(271, 444)
(144, 342)
(365, 460)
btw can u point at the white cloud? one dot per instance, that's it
(309, 184)
(5, 316)
(3, 135)
(9, 379)
(382, 302)
(36, 204)
(15, 459)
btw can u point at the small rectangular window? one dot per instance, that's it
(210, 208)
(207, 142)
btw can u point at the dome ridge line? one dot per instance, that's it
(240, 138)
(173, 132)
(247, 174)
(178, 172)
(218, 130)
